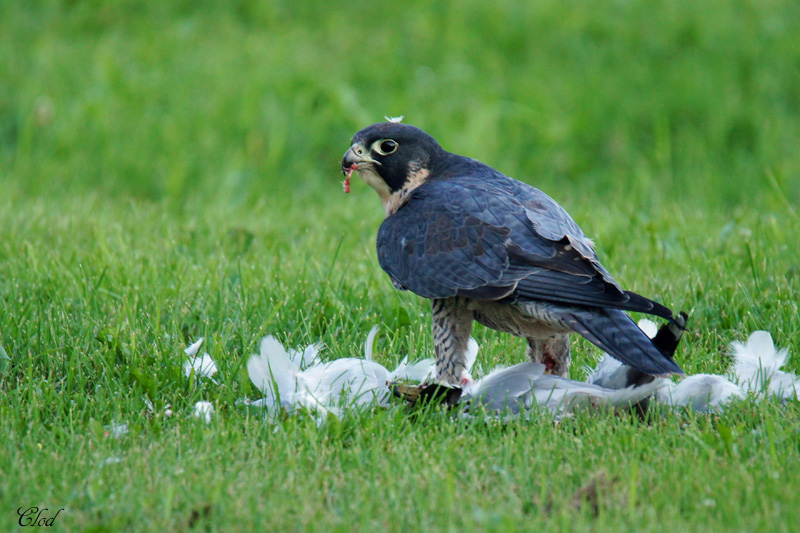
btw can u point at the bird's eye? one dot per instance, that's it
(386, 147)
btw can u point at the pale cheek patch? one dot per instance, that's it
(399, 198)
(376, 182)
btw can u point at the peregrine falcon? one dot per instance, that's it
(483, 246)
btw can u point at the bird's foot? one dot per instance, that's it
(428, 393)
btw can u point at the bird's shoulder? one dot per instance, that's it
(476, 210)
(469, 187)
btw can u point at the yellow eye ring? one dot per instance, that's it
(386, 146)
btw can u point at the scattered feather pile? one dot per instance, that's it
(522, 388)
(757, 368)
(294, 379)
(202, 366)
(701, 392)
(203, 411)
(300, 379)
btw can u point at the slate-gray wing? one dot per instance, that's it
(461, 238)
(440, 251)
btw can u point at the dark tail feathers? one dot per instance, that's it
(613, 331)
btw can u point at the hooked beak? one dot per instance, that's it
(353, 157)
(356, 157)
(350, 158)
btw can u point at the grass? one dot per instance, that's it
(170, 171)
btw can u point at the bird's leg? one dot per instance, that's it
(452, 326)
(552, 352)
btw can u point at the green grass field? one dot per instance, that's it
(170, 170)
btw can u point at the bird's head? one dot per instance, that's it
(393, 158)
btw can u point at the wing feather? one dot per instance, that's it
(496, 238)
